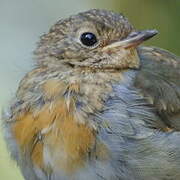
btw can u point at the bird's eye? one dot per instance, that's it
(88, 39)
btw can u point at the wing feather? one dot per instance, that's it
(159, 81)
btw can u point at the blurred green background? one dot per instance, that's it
(22, 22)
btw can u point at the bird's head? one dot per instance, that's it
(97, 39)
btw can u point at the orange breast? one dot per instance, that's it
(56, 128)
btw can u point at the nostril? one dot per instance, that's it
(133, 34)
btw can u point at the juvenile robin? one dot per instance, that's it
(96, 106)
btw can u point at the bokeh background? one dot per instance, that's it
(23, 21)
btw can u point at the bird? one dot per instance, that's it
(97, 104)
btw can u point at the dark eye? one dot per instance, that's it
(88, 39)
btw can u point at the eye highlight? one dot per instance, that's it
(88, 39)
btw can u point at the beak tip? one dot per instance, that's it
(147, 34)
(153, 32)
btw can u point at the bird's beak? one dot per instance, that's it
(133, 40)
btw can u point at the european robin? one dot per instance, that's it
(96, 106)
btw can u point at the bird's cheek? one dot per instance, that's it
(120, 59)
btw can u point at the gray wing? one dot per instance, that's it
(159, 81)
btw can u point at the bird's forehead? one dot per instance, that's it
(95, 18)
(102, 17)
